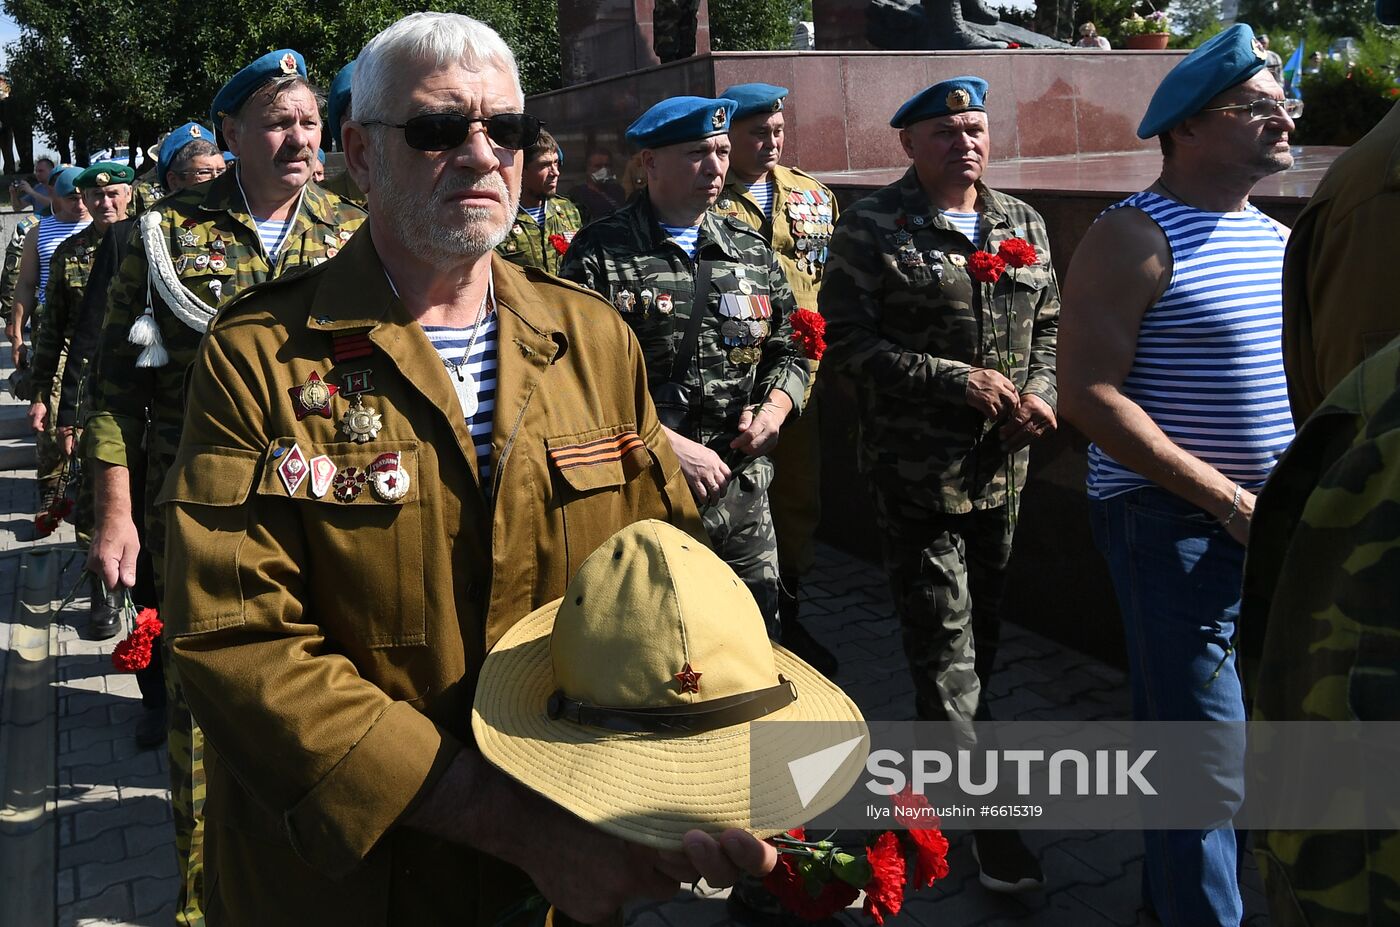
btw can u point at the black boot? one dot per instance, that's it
(1005, 863)
(949, 32)
(104, 611)
(797, 638)
(975, 11)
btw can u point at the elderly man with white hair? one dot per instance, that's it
(387, 462)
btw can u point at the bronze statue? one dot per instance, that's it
(945, 25)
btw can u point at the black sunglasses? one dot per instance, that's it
(445, 131)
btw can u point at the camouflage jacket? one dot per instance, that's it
(906, 320)
(199, 225)
(344, 186)
(144, 195)
(529, 245)
(1320, 628)
(9, 276)
(68, 278)
(745, 350)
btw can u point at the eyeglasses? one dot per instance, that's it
(1264, 107)
(202, 174)
(445, 131)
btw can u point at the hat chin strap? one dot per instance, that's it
(676, 719)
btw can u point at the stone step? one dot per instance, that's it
(14, 421)
(17, 453)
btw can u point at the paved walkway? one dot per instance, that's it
(114, 861)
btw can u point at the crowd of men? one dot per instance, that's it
(345, 435)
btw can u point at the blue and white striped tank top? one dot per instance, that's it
(52, 232)
(475, 374)
(1209, 362)
(762, 194)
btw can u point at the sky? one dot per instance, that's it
(8, 33)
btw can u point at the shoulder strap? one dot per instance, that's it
(699, 301)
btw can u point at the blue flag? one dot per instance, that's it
(1293, 73)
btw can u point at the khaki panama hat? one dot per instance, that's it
(633, 701)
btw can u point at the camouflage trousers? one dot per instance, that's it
(947, 574)
(795, 497)
(740, 528)
(48, 451)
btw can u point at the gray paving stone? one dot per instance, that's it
(105, 847)
(89, 823)
(111, 903)
(152, 895)
(95, 878)
(141, 838)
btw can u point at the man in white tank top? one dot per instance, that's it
(1170, 363)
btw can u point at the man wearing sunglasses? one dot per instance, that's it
(1171, 364)
(188, 258)
(411, 448)
(545, 222)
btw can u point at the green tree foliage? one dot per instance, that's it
(754, 25)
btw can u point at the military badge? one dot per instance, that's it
(356, 382)
(647, 299)
(313, 397)
(292, 470)
(195, 132)
(201, 261)
(724, 202)
(745, 286)
(288, 63)
(216, 289)
(958, 100)
(957, 260)
(322, 472)
(717, 120)
(217, 263)
(778, 105)
(733, 331)
(217, 246)
(360, 422)
(918, 221)
(348, 484)
(332, 252)
(625, 300)
(344, 235)
(663, 303)
(188, 239)
(388, 478)
(689, 679)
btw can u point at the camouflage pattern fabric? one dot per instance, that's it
(906, 320)
(745, 351)
(798, 231)
(9, 276)
(123, 394)
(144, 195)
(531, 245)
(1320, 630)
(344, 186)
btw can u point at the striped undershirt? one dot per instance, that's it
(52, 233)
(480, 372)
(965, 222)
(762, 193)
(272, 232)
(1209, 362)
(688, 237)
(536, 212)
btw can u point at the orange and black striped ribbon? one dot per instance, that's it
(601, 450)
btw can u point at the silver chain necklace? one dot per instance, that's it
(463, 384)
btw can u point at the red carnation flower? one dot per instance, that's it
(1018, 253)
(985, 267)
(930, 846)
(809, 331)
(134, 653)
(560, 243)
(810, 900)
(885, 892)
(45, 524)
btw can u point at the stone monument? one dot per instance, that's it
(606, 38)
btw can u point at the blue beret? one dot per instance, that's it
(170, 147)
(242, 85)
(945, 98)
(338, 101)
(229, 157)
(1220, 63)
(681, 119)
(754, 99)
(104, 174)
(62, 181)
(321, 155)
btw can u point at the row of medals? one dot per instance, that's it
(360, 423)
(809, 216)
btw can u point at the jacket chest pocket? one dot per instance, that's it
(590, 475)
(362, 520)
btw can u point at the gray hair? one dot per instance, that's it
(198, 148)
(439, 38)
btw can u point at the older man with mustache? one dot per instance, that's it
(191, 255)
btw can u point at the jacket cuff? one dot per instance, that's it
(1044, 390)
(952, 383)
(110, 436)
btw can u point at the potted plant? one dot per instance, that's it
(1146, 32)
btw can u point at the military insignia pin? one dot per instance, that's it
(357, 381)
(195, 132)
(322, 472)
(344, 235)
(647, 299)
(216, 289)
(201, 261)
(292, 470)
(958, 100)
(625, 300)
(957, 260)
(103, 178)
(388, 478)
(288, 63)
(717, 120)
(663, 303)
(360, 422)
(778, 105)
(689, 679)
(188, 239)
(348, 484)
(217, 263)
(313, 397)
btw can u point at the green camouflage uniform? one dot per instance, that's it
(741, 358)
(798, 230)
(1320, 630)
(906, 320)
(9, 277)
(124, 394)
(529, 245)
(144, 194)
(68, 276)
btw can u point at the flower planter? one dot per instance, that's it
(1150, 41)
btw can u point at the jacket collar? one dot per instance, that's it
(646, 228)
(915, 202)
(224, 196)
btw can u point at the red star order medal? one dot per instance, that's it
(313, 397)
(689, 679)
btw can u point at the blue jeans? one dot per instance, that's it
(1177, 576)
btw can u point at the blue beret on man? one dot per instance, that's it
(945, 98)
(1225, 60)
(242, 85)
(171, 145)
(755, 99)
(62, 180)
(681, 119)
(338, 101)
(104, 174)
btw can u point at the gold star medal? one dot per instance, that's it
(958, 100)
(360, 422)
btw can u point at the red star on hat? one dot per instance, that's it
(689, 679)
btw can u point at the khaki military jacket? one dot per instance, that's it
(214, 246)
(532, 245)
(906, 320)
(329, 637)
(68, 276)
(745, 349)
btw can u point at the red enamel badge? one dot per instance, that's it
(689, 679)
(313, 397)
